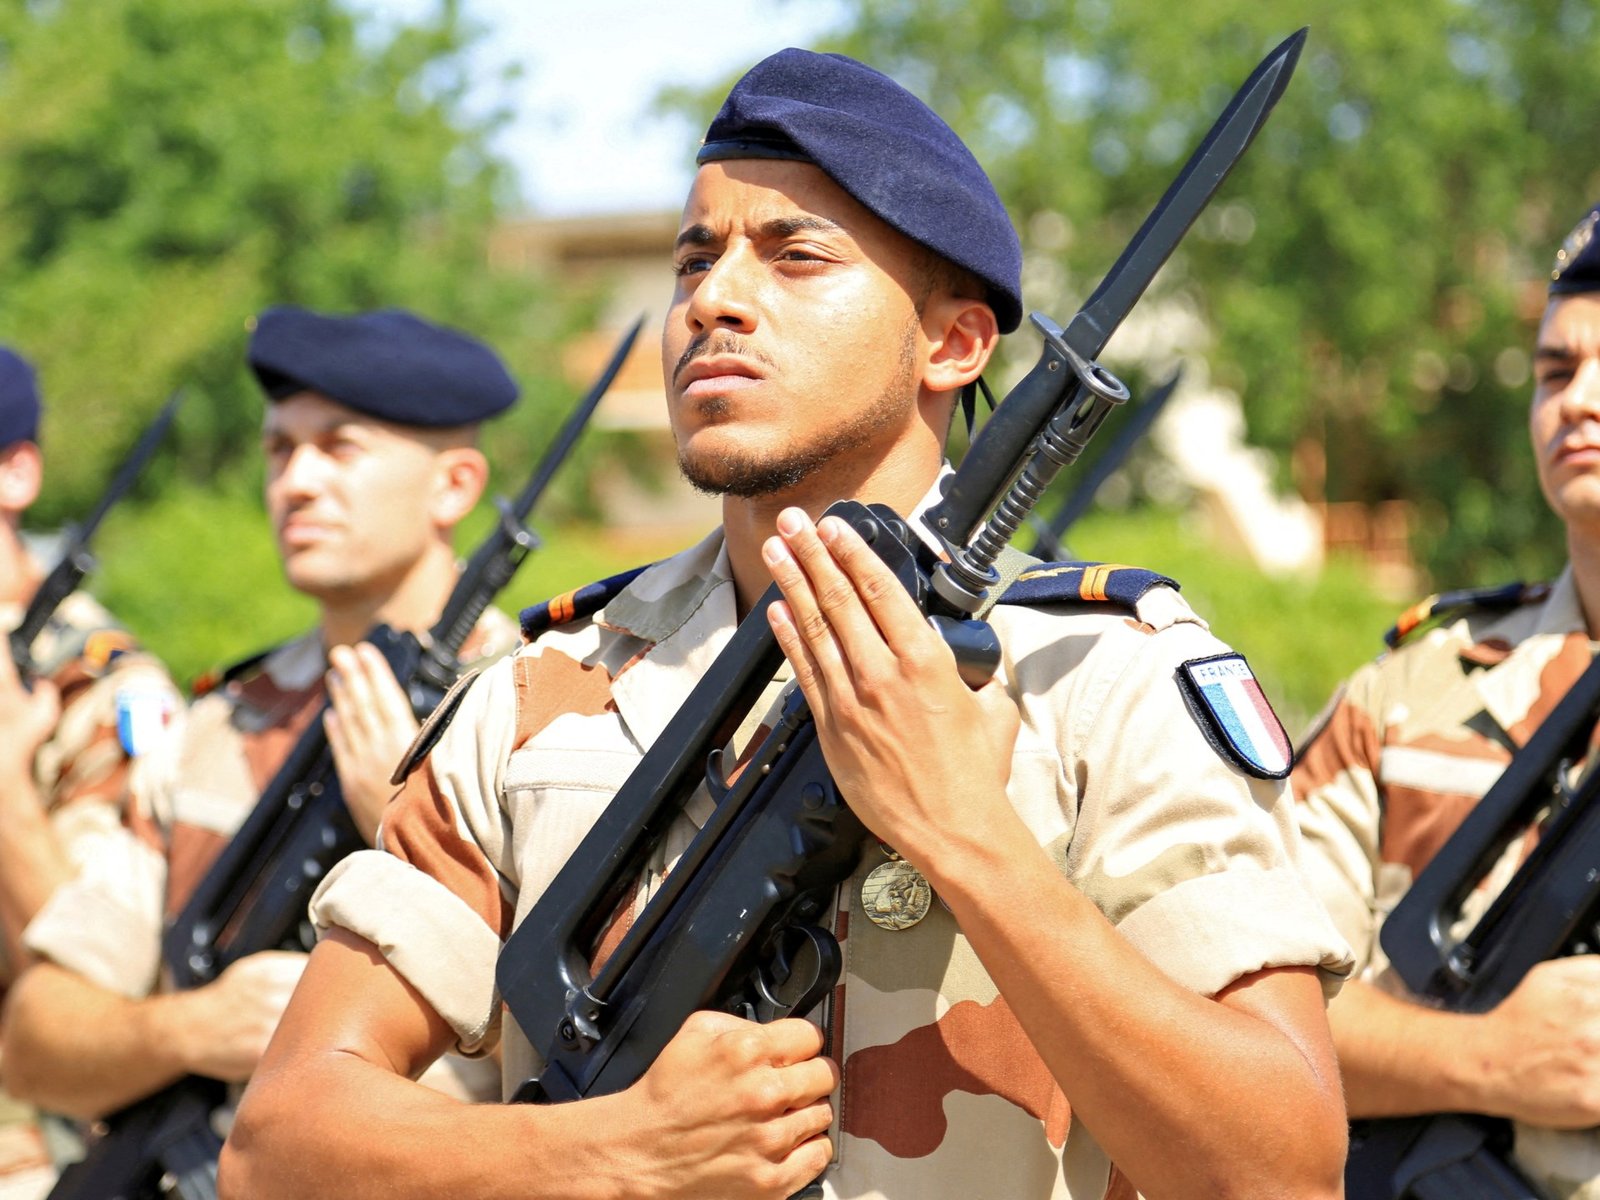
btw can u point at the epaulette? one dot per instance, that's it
(574, 605)
(1084, 582)
(1501, 598)
(211, 680)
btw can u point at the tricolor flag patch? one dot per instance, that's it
(1235, 716)
(142, 715)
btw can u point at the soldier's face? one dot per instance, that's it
(1564, 419)
(793, 344)
(348, 497)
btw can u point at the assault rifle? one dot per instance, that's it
(1550, 909)
(732, 926)
(254, 896)
(76, 561)
(1047, 535)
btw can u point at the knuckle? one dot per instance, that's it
(835, 593)
(813, 625)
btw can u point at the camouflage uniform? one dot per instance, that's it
(188, 800)
(1409, 746)
(940, 1085)
(81, 771)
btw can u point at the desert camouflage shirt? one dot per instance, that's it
(188, 799)
(115, 701)
(1410, 744)
(942, 1093)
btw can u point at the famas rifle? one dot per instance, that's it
(733, 925)
(254, 896)
(1549, 909)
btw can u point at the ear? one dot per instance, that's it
(460, 475)
(962, 334)
(21, 477)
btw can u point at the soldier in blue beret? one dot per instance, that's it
(370, 436)
(1073, 945)
(1411, 743)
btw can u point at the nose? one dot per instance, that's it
(301, 475)
(1581, 399)
(723, 296)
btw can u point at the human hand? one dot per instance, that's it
(1542, 1046)
(730, 1110)
(26, 721)
(370, 727)
(918, 754)
(231, 1020)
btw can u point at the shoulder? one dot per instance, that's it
(1476, 606)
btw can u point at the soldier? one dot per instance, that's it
(1410, 744)
(1115, 893)
(65, 745)
(370, 438)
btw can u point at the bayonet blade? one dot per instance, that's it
(133, 464)
(1229, 137)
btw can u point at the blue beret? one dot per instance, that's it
(388, 364)
(19, 400)
(1577, 265)
(885, 147)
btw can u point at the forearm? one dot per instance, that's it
(1400, 1059)
(32, 863)
(1185, 1094)
(75, 1048)
(294, 1136)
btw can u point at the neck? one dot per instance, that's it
(413, 604)
(19, 574)
(747, 523)
(1584, 554)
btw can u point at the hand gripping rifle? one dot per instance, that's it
(254, 897)
(77, 561)
(732, 925)
(1549, 909)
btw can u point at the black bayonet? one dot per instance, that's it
(999, 446)
(77, 561)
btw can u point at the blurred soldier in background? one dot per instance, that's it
(370, 438)
(65, 745)
(1414, 740)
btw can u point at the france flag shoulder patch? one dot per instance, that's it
(1234, 714)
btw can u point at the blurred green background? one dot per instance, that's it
(1368, 281)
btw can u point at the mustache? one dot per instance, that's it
(718, 341)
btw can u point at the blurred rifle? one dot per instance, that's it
(255, 894)
(1047, 544)
(76, 561)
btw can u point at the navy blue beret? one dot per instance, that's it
(19, 400)
(388, 364)
(886, 148)
(1577, 265)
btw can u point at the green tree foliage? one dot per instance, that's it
(1374, 268)
(170, 167)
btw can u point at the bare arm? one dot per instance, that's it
(924, 762)
(1535, 1058)
(730, 1109)
(76, 1048)
(32, 863)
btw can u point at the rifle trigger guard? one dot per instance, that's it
(805, 966)
(716, 778)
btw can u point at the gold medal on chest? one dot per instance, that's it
(894, 895)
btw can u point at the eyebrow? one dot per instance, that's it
(778, 227)
(1560, 353)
